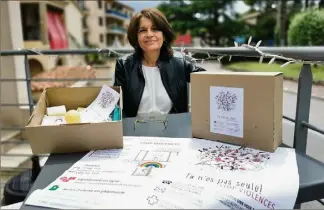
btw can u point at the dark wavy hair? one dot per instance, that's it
(160, 22)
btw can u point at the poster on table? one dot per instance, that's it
(179, 173)
(232, 177)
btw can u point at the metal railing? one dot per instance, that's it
(305, 80)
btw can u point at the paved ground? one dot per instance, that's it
(315, 144)
(289, 86)
(317, 90)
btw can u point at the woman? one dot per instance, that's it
(153, 79)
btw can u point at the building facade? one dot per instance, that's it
(35, 25)
(105, 23)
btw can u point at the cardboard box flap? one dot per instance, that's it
(73, 97)
(39, 111)
(30, 118)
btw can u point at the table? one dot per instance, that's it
(311, 171)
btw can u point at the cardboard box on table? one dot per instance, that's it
(242, 108)
(78, 137)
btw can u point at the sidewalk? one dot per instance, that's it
(317, 90)
(289, 86)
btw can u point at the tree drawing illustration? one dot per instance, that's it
(106, 99)
(233, 159)
(226, 101)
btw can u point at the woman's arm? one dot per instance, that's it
(191, 68)
(119, 78)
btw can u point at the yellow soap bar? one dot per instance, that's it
(72, 116)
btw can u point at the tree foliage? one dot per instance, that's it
(207, 20)
(264, 29)
(263, 5)
(307, 28)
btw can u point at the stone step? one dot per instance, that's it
(7, 140)
(9, 145)
(7, 135)
(13, 162)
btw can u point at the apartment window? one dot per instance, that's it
(107, 6)
(99, 4)
(101, 38)
(30, 21)
(84, 22)
(81, 3)
(100, 21)
(86, 39)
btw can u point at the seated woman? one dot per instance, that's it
(153, 78)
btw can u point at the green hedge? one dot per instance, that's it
(307, 28)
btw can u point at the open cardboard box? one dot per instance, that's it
(242, 108)
(80, 137)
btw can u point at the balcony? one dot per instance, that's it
(113, 29)
(117, 14)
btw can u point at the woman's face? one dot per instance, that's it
(149, 38)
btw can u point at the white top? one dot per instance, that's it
(155, 99)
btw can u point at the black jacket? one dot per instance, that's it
(175, 73)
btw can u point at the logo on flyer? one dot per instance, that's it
(67, 179)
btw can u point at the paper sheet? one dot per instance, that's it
(100, 109)
(240, 177)
(118, 172)
(116, 169)
(167, 194)
(178, 173)
(226, 110)
(138, 153)
(66, 200)
(217, 156)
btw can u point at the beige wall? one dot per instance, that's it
(47, 61)
(73, 21)
(93, 23)
(12, 66)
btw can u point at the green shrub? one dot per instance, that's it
(94, 58)
(307, 28)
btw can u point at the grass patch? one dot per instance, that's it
(291, 71)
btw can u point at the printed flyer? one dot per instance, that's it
(226, 111)
(232, 191)
(213, 155)
(176, 173)
(240, 177)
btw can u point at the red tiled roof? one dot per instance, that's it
(62, 72)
